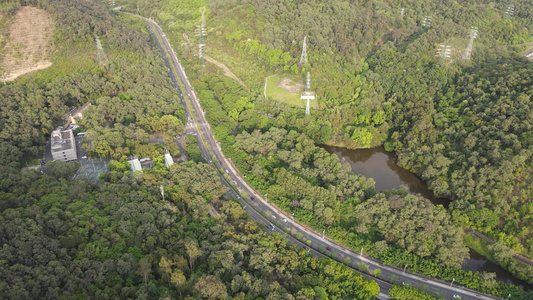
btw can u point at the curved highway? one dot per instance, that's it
(274, 219)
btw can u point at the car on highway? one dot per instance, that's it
(456, 297)
(406, 283)
(271, 226)
(328, 248)
(252, 198)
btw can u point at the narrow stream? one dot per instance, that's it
(380, 165)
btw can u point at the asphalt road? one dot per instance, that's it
(260, 210)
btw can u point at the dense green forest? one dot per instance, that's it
(464, 126)
(117, 238)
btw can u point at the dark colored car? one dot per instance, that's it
(328, 248)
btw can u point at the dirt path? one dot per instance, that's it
(227, 71)
(29, 43)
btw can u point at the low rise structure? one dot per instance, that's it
(63, 145)
(135, 164)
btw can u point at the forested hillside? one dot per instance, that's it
(131, 92)
(464, 126)
(118, 239)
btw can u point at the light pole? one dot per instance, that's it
(292, 216)
(453, 279)
(266, 197)
(404, 269)
(361, 251)
(323, 232)
(509, 296)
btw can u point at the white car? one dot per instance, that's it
(456, 297)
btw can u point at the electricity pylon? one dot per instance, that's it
(427, 22)
(444, 51)
(102, 58)
(303, 57)
(402, 11)
(510, 10)
(200, 32)
(307, 94)
(473, 36)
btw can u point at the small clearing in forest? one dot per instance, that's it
(29, 43)
(290, 86)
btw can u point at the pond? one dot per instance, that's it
(381, 165)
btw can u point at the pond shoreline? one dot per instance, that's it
(380, 165)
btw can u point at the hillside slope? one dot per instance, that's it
(29, 43)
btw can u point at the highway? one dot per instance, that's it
(275, 220)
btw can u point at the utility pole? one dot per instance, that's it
(361, 251)
(303, 57)
(323, 232)
(405, 268)
(102, 58)
(200, 31)
(402, 11)
(453, 279)
(162, 192)
(307, 94)
(473, 36)
(4, 78)
(427, 22)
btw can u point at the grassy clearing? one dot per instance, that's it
(275, 92)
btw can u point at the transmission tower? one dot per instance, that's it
(473, 36)
(102, 58)
(427, 22)
(200, 32)
(402, 11)
(444, 51)
(4, 78)
(510, 10)
(307, 94)
(303, 57)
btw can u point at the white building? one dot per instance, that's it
(63, 145)
(168, 160)
(135, 165)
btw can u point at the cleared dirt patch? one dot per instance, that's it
(29, 43)
(290, 86)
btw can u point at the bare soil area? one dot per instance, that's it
(290, 86)
(29, 43)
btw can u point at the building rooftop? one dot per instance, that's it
(62, 140)
(135, 165)
(168, 160)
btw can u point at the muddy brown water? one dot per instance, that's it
(380, 165)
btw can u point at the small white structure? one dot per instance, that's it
(63, 145)
(168, 160)
(135, 165)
